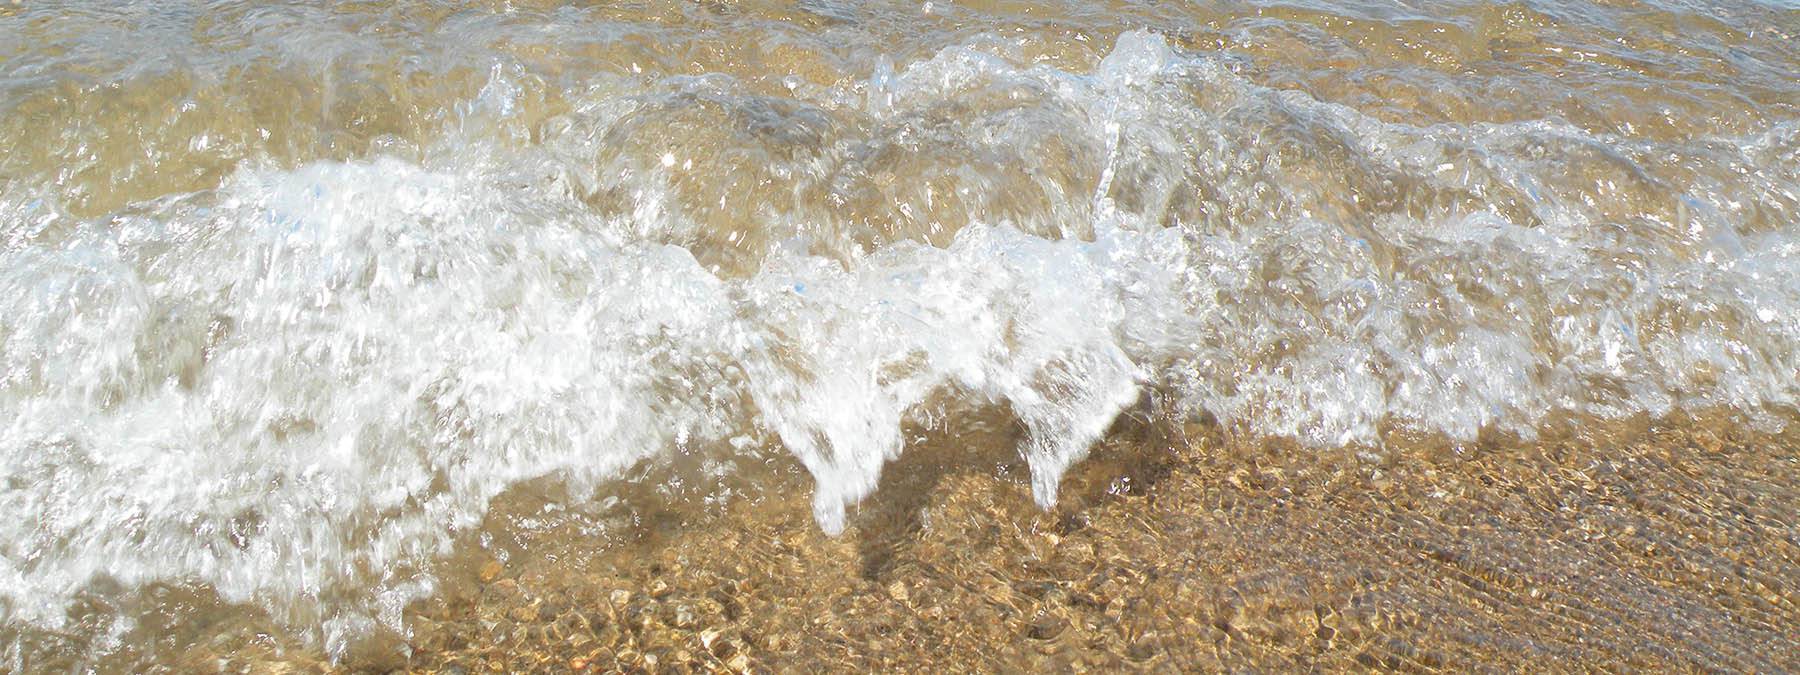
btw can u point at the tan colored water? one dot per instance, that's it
(854, 335)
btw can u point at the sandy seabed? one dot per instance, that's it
(1614, 545)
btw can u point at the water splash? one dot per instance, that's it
(298, 385)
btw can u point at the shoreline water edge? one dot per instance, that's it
(741, 335)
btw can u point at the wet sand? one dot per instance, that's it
(1631, 545)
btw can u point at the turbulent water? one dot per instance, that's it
(292, 291)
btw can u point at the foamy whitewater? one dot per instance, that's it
(279, 322)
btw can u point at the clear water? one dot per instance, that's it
(291, 292)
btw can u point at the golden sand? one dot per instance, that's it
(1637, 545)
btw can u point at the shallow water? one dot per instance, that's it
(312, 309)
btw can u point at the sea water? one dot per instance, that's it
(290, 292)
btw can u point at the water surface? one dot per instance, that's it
(303, 299)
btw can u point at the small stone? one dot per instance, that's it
(491, 571)
(739, 663)
(897, 591)
(620, 597)
(505, 588)
(1045, 628)
(684, 617)
(708, 637)
(556, 603)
